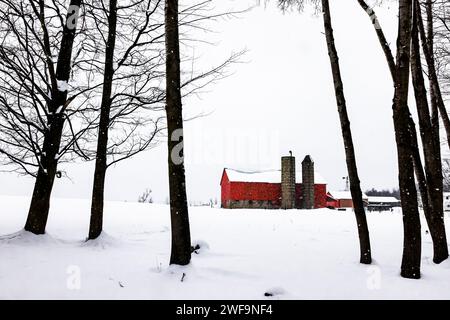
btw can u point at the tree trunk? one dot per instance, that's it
(355, 187)
(411, 221)
(381, 37)
(433, 166)
(98, 191)
(433, 94)
(40, 201)
(181, 239)
(420, 175)
(437, 103)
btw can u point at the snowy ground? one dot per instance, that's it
(291, 254)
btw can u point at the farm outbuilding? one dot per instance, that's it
(275, 189)
(342, 199)
(383, 203)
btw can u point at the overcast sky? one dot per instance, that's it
(280, 99)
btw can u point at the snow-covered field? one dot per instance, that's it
(291, 254)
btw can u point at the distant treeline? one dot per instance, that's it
(383, 193)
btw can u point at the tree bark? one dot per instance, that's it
(181, 239)
(98, 191)
(411, 221)
(433, 94)
(355, 188)
(437, 103)
(420, 175)
(381, 37)
(40, 201)
(433, 165)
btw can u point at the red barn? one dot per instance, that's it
(265, 189)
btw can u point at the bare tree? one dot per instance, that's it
(355, 187)
(418, 167)
(126, 79)
(36, 112)
(123, 130)
(95, 226)
(429, 129)
(131, 118)
(181, 237)
(430, 183)
(440, 11)
(146, 197)
(437, 100)
(406, 137)
(411, 222)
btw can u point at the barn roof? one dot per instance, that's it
(376, 199)
(269, 176)
(344, 195)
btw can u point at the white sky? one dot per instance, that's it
(281, 99)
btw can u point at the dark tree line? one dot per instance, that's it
(383, 193)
